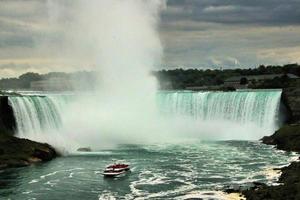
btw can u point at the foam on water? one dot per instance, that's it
(167, 171)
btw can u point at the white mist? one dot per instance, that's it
(121, 38)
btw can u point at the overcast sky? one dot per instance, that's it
(194, 33)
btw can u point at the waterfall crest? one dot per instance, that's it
(206, 115)
(36, 115)
(259, 107)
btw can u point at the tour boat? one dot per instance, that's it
(116, 170)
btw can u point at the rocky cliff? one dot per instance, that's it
(286, 138)
(7, 120)
(291, 99)
(16, 152)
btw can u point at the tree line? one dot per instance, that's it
(82, 79)
(168, 79)
(183, 78)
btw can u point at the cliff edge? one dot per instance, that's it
(291, 99)
(286, 138)
(16, 152)
(7, 119)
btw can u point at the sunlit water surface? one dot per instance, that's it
(158, 172)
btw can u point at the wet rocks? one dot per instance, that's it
(289, 188)
(84, 149)
(7, 119)
(287, 138)
(16, 152)
(291, 98)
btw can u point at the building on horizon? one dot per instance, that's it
(52, 84)
(241, 82)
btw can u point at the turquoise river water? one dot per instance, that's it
(178, 170)
(169, 171)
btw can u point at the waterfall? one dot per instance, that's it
(260, 107)
(231, 115)
(36, 115)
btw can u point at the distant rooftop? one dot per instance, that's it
(52, 84)
(259, 77)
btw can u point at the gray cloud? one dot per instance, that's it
(14, 66)
(267, 12)
(206, 33)
(195, 33)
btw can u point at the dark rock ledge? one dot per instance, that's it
(287, 138)
(16, 152)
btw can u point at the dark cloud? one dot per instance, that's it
(195, 33)
(266, 12)
(205, 33)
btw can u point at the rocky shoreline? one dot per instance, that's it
(16, 152)
(286, 138)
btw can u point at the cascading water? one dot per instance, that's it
(124, 46)
(37, 115)
(120, 39)
(244, 107)
(252, 114)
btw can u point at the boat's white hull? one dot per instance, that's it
(115, 170)
(113, 174)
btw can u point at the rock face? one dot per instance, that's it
(15, 152)
(290, 189)
(291, 99)
(84, 149)
(7, 119)
(287, 138)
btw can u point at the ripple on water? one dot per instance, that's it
(170, 172)
(211, 195)
(33, 181)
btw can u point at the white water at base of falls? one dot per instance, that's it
(228, 115)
